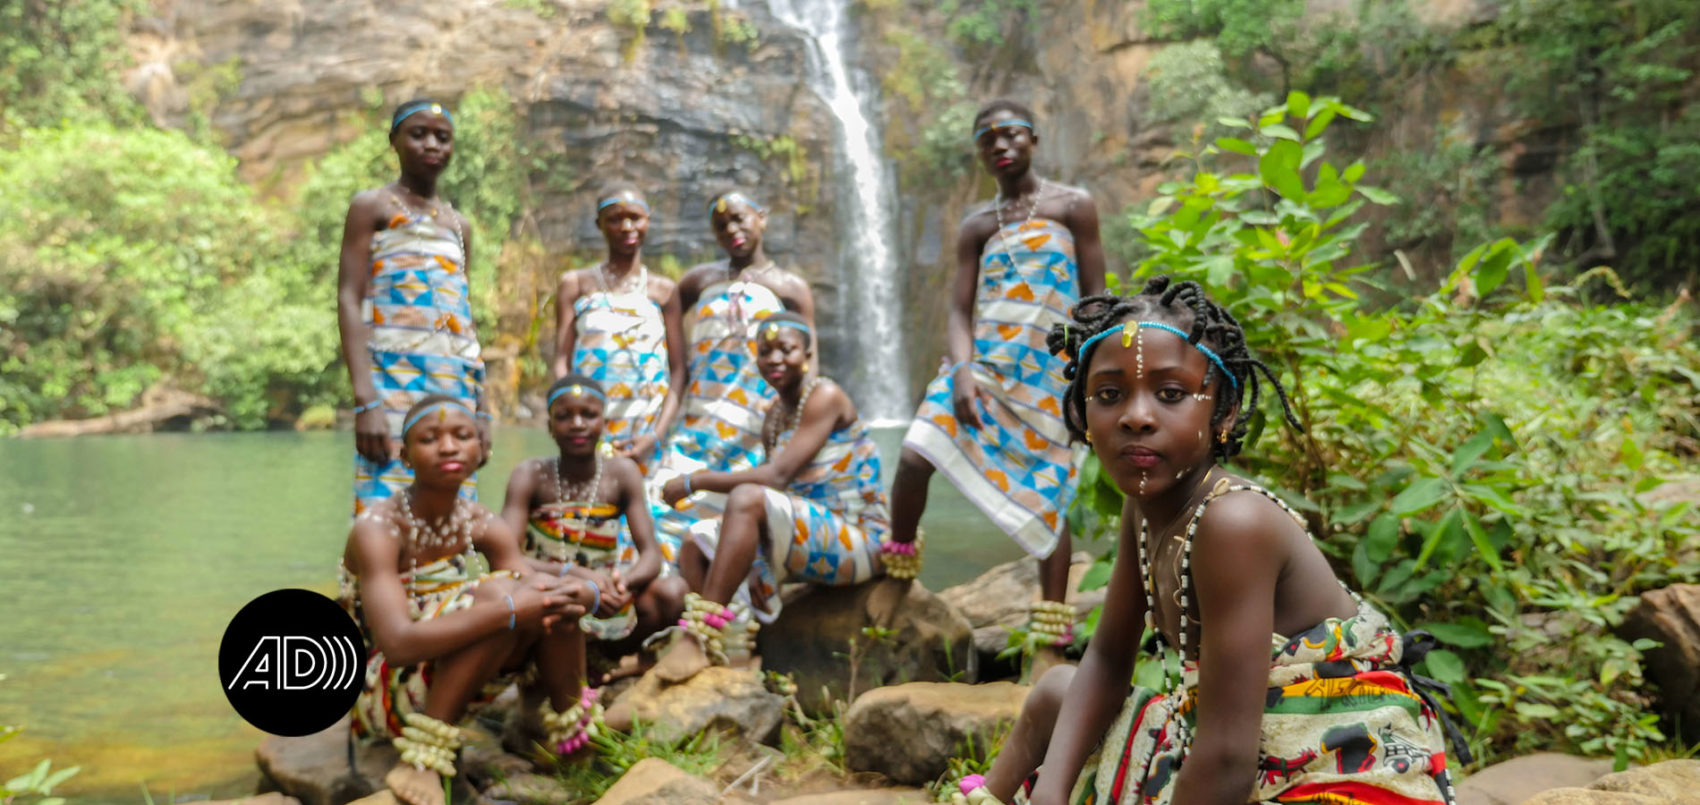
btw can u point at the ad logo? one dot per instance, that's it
(292, 662)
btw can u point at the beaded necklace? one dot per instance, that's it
(770, 429)
(1032, 209)
(577, 493)
(434, 210)
(609, 284)
(1184, 582)
(448, 531)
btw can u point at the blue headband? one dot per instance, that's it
(772, 327)
(622, 197)
(574, 388)
(983, 129)
(410, 109)
(1127, 336)
(413, 420)
(718, 203)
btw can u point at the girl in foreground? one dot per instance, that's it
(1290, 688)
(439, 639)
(814, 511)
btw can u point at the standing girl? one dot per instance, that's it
(620, 325)
(725, 398)
(439, 639)
(990, 420)
(1290, 688)
(402, 304)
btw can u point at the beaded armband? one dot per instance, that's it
(972, 791)
(569, 731)
(427, 743)
(1052, 622)
(903, 559)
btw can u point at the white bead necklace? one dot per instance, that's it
(1032, 209)
(577, 493)
(626, 284)
(770, 431)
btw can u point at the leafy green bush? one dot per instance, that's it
(1474, 457)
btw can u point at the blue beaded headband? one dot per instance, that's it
(770, 329)
(1004, 124)
(622, 197)
(417, 415)
(1129, 326)
(408, 110)
(575, 390)
(718, 203)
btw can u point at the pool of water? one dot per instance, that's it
(126, 556)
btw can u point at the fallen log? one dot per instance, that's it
(165, 407)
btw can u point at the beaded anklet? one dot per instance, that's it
(725, 631)
(427, 743)
(972, 791)
(569, 731)
(1052, 622)
(903, 559)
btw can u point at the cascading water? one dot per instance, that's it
(867, 265)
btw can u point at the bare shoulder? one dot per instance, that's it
(790, 284)
(699, 276)
(661, 285)
(1247, 523)
(829, 397)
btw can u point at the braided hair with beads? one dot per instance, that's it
(1212, 326)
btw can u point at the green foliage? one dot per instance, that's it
(783, 148)
(617, 753)
(676, 20)
(61, 61)
(1448, 195)
(1189, 83)
(1479, 451)
(732, 28)
(542, 8)
(1241, 27)
(39, 781)
(634, 16)
(981, 23)
(936, 153)
(973, 754)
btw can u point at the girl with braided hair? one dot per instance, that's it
(1289, 687)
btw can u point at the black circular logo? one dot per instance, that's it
(292, 662)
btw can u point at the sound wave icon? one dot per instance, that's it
(300, 662)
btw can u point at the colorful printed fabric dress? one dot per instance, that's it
(826, 527)
(621, 342)
(592, 535)
(720, 429)
(1018, 466)
(1343, 724)
(421, 340)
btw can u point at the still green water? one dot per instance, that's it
(126, 556)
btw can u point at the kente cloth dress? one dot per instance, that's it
(391, 691)
(1018, 466)
(421, 339)
(1344, 723)
(621, 342)
(826, 526)
(724, 404)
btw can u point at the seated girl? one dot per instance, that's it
(439, 639)
(814, 511)
(570, 506)
(1289, 688)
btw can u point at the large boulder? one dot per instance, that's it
(822, 640)
(730, 700)
(910, 732)
(314, 768)
(1672, 617)
(1677, 780)
(1516, 780)
(272, 798)
(996, 601)
(876, 796)
(653, 781)
(1588, 796)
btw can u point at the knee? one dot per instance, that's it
(911, 461)
(747, 500)
(666, 595)
(1048, 693)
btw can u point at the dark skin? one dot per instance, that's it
(1006, 152)
(738, 230)
(575, 422)
(624, 225)
(424, 144)
(1255, 573)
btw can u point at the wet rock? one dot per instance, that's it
(656, 782)
(996, 601)
(1516, 780)
(910, 732)
(1672, 617)
(928, 640)
(1675, 780)
(727, 699)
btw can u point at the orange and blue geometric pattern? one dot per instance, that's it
(622, 344)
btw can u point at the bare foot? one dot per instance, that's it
(415, 786)
(630, 665)
(681, 661)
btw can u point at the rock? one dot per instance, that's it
(1676, 780)
(727, 699)
(929, 640)
(910, 732)
(533, 789)
(656, 782)
(1585, 796)
(878, 796)
(384, 797)
(996, 601)
(273, 798)
(314, 768)
(1672, 617)
(1515, 780)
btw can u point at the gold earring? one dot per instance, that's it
(1088, 437)
(1222, 437)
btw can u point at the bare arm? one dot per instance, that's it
(1100, 686)
(566, 330)
(1088, 247)
(1236, 602)
(465, 228)
(371, 433)
(959, 327)
(516, 507)
(821, 416)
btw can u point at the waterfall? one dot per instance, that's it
(867, 264)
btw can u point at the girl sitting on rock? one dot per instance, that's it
(570, 507)
(1289, 688)
(814, 511)
(440, 639)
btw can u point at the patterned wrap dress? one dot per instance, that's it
(1343, 724)
(724, 405)
(621, 342)
(421, 338)
(1018, 466)
(591, 535)
(826, 526)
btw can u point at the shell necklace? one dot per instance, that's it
(1183, 587)
(633, 281)
(771, 430)
(1032, 210)
(577, 493)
